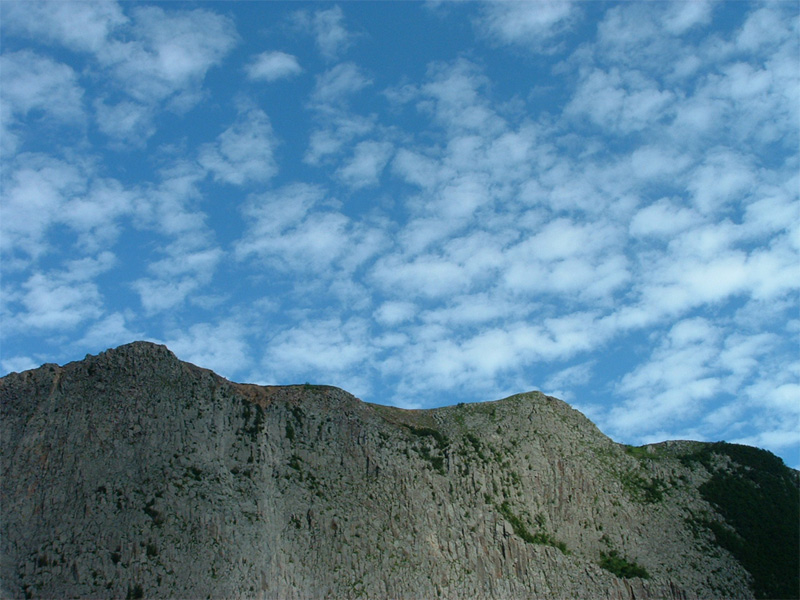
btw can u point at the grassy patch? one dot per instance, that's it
(441, 440)
(519, 527)
(641, 489)
(621, 567)
(476, 445)
(434, 455)
(640, 452)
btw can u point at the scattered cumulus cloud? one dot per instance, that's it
(598, 201)
(395, 312)
(683, 16)
(243, 153)
(33, 82)
(83, 27)
(328, 29)
(34, 192)
(532, 25)
(336, 84)
(125, 122)
(365, 167)
(220, 347)
(61, 300)
(110, 331)
(151, 56)
(271, 66)
(18, 364)
(170, 54)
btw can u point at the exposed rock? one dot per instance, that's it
(132, 474)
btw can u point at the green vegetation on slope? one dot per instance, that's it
(522, 531)
(441, 444)
(621, 567)
(758, 497)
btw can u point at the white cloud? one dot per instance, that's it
(620, 102)
(127, 122)
(723, 178)
(452, 96)
(664, 218)
(97, 216)
(107, 332)
(77, 25)
(18, 364)
(742, 353)
(60, 300)
(632, 35)
(474, 309)
(695, 385)
(765, 27)
(620, 224)
(530, 24)
(561, 383)
(708, 265)
(32, 82)
(183, 272)
(166, 207)
(155, 56)
(170, 53)
(43, 195)
(280, 222)
(570, 259)
(328, 351)
(773, 208)
(243, 153)
(770, 406)
(34, 193)
(365, 167)
(294, 229)
(671, 387)
(426, 276)
(328, 29)
(189, 257)
(656, 164)
(395, 312)
(271, 66)
(683, 16)
(338, 125)
(339, 129)
(774, 272)
(415, 168)
(336, 84)
(437, 357)
(40, 90)
(460, 198)
(221, 347)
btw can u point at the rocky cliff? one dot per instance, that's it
(134, 475)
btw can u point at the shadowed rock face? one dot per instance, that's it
(132, 474)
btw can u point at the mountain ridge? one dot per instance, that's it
(167, 480)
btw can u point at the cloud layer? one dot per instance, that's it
(598, 201)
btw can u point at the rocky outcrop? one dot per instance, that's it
(133, 475)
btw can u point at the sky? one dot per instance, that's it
(421, 203)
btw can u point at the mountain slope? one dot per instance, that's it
(132, 474)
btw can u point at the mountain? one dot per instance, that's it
(131, 474)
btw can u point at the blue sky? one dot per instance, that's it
(422, 203)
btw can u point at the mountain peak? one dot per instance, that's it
(140, 348)
(133, 474)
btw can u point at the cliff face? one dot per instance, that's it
(131, 474)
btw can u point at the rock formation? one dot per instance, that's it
(132, 474)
